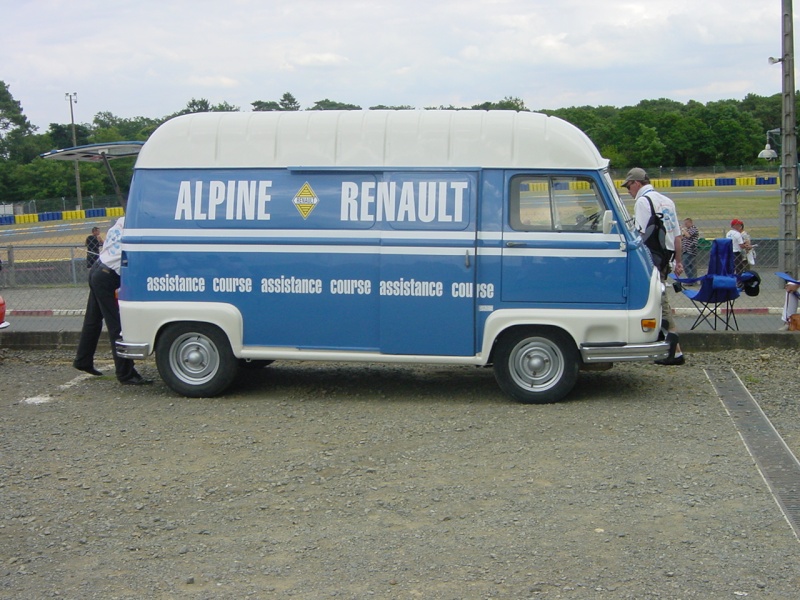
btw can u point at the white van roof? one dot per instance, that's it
(370, 138)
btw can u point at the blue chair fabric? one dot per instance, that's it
(719, 288)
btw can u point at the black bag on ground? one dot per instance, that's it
(751, 283)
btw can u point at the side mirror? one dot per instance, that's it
(608, 221)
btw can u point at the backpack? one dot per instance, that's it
(654, 237)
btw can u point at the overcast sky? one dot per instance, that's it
(150, 57)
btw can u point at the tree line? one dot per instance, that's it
(653, 133)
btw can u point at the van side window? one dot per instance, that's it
(554, 204)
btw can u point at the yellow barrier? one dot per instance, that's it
(32, 218)
(115, 211)
(69, 215)
(699, 182)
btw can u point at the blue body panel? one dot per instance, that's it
(383, 260)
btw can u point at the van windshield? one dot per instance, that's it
(623, 210)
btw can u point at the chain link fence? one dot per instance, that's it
(44, 258)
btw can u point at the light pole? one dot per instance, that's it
(72, 98)
(768, 153)
(787, 245)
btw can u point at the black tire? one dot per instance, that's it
(252, 365)
(195, 359)
(536, 365)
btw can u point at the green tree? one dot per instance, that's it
(26, 148)
(648, 149)
(225, 107)
(289, 102)
(61, 135)
(507, 103)
(12, 119)
(110, 128)
(765, 109)
(196, 105)
(737, 135)
(201, 105)
(262, 106)
(41, 179)
(333, 105)
(384, 107)
(286, 103)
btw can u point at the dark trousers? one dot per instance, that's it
(102, 306)
(739, 262)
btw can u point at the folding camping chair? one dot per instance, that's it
(719, 288)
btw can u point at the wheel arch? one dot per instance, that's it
(507, 322)
(515, 328)
(144, 322)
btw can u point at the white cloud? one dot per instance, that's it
(211, 81)
(142, 57)
(326, 59)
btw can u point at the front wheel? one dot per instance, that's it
(536, 365)
(195, 359)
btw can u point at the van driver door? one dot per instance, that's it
(555, 254)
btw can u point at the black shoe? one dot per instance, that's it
(90, 370)
(135, 379)
(674, 361)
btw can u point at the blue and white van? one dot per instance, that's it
(449, 237)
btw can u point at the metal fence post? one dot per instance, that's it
(12, 279)
(72, 266)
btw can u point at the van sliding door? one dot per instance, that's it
(428, 264)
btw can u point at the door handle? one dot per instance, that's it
(516, 244)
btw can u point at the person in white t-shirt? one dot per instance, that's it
(104, 280)
(740, 246)
(638, 185)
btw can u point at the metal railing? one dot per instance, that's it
(42, 265)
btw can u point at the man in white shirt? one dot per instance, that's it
(103, 306)
(740, 245)
(638, 185)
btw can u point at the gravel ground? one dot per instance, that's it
(347, 481)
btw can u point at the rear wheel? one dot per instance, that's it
(536, 365)
(195, 359)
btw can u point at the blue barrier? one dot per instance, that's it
(766, 180)
(95, 212)
(7, 220)
(683, 183)
(725, 181)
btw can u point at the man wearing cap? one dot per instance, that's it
(638, 185)
(740, 246)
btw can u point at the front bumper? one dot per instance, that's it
(591, 353)
(132, 351)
